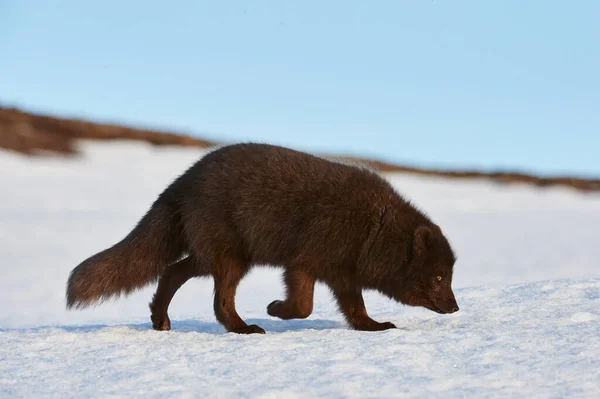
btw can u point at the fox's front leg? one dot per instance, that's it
(352, 305)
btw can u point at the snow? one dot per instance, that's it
(527, 282)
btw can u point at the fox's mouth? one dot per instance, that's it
(433, 307)
(430, 304)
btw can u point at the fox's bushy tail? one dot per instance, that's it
(137, 260)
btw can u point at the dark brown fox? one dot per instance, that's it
(252, 204)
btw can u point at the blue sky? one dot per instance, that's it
(486, 84)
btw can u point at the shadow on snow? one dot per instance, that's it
(196, 326)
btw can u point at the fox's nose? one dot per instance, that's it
(454, 309)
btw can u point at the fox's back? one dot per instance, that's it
(282, 203)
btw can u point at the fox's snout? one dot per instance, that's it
(448, 304)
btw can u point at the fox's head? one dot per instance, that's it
(428, 279)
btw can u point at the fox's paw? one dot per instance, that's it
(385, 326)
(251, 329)
(274, 308)
(375, 326)
(161, 323)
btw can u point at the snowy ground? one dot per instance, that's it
(527, 283)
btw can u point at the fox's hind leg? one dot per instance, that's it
(300, 287)
(228, 273)
(172, 279)
(352, 305)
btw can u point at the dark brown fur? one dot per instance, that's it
(255, 204)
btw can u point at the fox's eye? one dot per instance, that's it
(439, 278)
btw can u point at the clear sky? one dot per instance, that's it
(487, 84)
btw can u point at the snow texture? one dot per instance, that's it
(527, 282)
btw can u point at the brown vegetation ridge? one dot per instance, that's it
(35, 134)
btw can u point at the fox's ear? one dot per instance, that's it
(422, 238)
